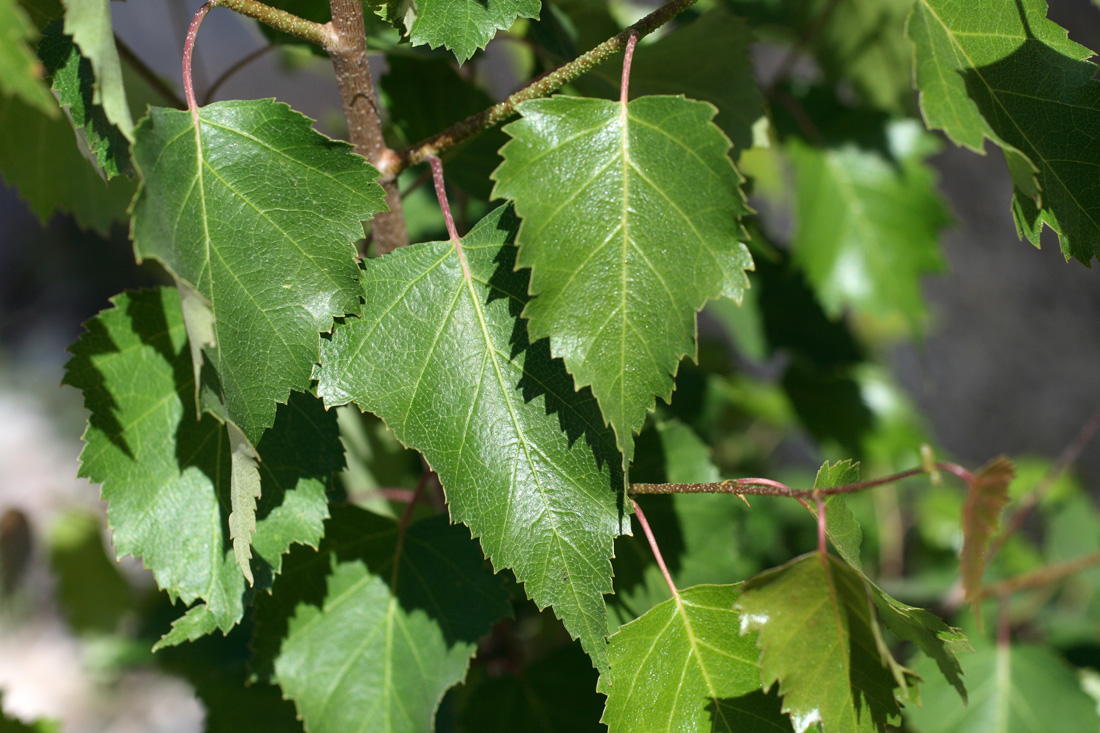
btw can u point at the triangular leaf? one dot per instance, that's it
(684, 666)
(629, 227)
(820, 640)
(461, 26)
(258, 214)
(441, 354)
(394, 626)
(88, 22)
(165, 475)
(20, 72)
(986, 497)
(1000, 70)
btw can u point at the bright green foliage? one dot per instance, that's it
(684, 666)
(821, 641)
(257, 215)
(986, 498)
(88, 22)
(74, 83)
(441, 355)
(869, 222)
(396, 624)
(1000, 70)
(647, 233)
(38, 157)
(165, 475)
(1013, 689)
(461, 26)
(20, 74)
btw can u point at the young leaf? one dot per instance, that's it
(1002, 71)
(74, 83)
(1014, 689)
(395, 626)
(684, 666)
(629, 227)
(39, 159)
(20, 74)
(461, 26)
(843, 529)
(820, 640)
(441, 354)
(986, 496)
(258, 214)
(869, 222)
(165, 475)
(88, 22)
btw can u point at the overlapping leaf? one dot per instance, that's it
(1014, 689)
(88, 22)
(441, 354)
(20, 73)
(869, 222)
(39, 159)
(461, 26)
(74, 82)
(257, 215)
(392, 627)
(684, 666)
(165, 475)
(821, 642)
(986, 497)
(629, 227)
(1000, 70)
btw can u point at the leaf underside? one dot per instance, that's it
(441, 354)
(629, 227)
(986, 498)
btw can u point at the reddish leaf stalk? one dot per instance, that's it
(822, 532)
(188, 50)
(628, 57)
(544, 86)
(656, 550)
(441, 194)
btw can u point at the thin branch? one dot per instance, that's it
(541, 87)
(280, 20)
(1031, 500)
(769, 487)
(347, 46)
(656, 550)
(1040, 577)
(206, 98)
(150, 76)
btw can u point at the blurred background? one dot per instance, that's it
(1010, 364)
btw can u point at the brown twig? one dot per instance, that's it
(150, 77)
(228, 73)
(1040, 577)
(347, 46)
(541, 87)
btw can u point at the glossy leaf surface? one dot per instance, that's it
(460, 26)
(441, 354)
(629, 227)
(684, 666)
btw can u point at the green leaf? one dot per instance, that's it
(74, 82)
(684, 666)
(257, 216)
(1002, 71)
(20, 72)
(707, 59)
(1014, 688)
(88, 22)
(441, 354)
(426, 95)
(39, 159)
(843, 529)
(461, 26)
(165, 475)
(645, 233)
(395, 626)
(869, 221)
(986, 497)
(821, 641)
